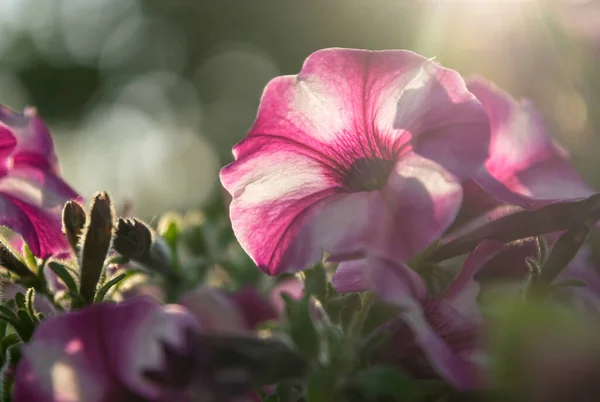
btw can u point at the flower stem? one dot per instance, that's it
(356, 326)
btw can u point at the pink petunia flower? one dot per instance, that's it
(32, 193)
(138, 350)
(525, 166)
(360, 150)
(438, 336)
(233, 313)
(99, 353)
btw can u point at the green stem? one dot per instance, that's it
(356, 326)
(43, 286)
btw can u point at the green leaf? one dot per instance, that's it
(342, 308)
(25, 319)
(287, 391)
(12, 321)
(2, 328)
(7, 374)
(239, 266)
(382, 382)
(272, 398)
(7, 342)
(27, 325)
(62, 272)
(7, 311)
(169, 228)
(30, 303)
(107, 286)
(6, 384)
(321, 387)
(20, 300)
(301, 326)
(30, 259)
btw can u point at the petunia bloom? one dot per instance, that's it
(360, 150)
(525, 169)
(525, 166)
(582, 268)
(437, 336)
(233, 313)
(100, 353)
(32, 193)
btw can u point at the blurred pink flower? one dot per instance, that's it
(292, 287)
(360, 150)
(32, 193)
(221, 312)
(100, 353)
(525, 166)
(439, 335)
(586, 298)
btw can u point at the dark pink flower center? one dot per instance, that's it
(368, 174)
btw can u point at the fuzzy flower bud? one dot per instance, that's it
(136, 241)
(96, 244)
(73, 223)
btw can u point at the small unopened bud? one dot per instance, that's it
(136, 241)
(10, 261)
(73, 223)
(96, 244)
(133, 238)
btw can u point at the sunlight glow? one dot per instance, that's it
(65, 382)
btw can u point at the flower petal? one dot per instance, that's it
(525, 166)
(350, 276)
(44, 189)
(8, 142)
(349, 102)
(31, 202)
(432, 323)
(462, 292)
(133, 334)
(347, 106)
(331, 102)
(418, 203)
(452, 127)
(581, 267)
(253, 307)
(273, 194)
(456, 369)
(394, 282)
(65, 361)
(34, 143)
(214, 311)
(291, 287)
(397, 284)
(422, 199)
(40, 229)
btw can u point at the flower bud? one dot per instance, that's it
(138, 242)
(96, 244)
(133, 239)
(73, 223)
